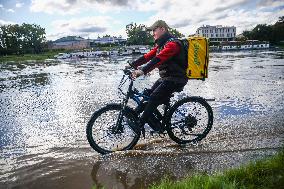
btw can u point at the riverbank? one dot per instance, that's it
(25, 57)
(266, 173)
(51, 54)
(46, 55)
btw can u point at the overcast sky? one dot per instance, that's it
(92, 18)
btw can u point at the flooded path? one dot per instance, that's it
(44, 108)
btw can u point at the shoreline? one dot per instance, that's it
(271, 170)
(50, 55)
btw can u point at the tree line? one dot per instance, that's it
(30, 38)
(138, 35)
(22, 39)
(263, 32)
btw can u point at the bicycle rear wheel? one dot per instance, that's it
(189, 120)
(101, 133)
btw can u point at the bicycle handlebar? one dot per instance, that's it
(127, 71)
(131, 90)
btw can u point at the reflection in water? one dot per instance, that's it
(139, 169)
(134, 170)
(44, 108)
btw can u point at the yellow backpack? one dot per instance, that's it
(197, 49)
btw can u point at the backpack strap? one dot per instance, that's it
(169, 40)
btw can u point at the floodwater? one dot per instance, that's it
(44, 108)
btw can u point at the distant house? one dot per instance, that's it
(217, 33)
(71, 42)
(107, 40)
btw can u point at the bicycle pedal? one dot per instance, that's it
(153, 132)
(157, 132)
(162, 135)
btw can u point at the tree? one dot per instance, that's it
(247, 34)
(278, 30)
(262, 32)
(272, 33)
(34, 38)
(176, 33)
(10, 38)
(137, 35)
(18, 39)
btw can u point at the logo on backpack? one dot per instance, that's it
(196, 61)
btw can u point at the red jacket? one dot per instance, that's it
(168, 56)
(170, 49)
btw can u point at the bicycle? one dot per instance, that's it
(114, 127)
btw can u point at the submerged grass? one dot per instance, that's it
(267, 173)
(36, 57)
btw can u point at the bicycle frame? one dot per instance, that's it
(131, 93)
(135, 95)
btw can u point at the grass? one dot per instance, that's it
(37, 57)
(267, 173)
(281, 46)
(42, 56)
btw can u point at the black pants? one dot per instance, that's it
(160, 93)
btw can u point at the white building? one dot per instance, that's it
(217, 33)
(109, 40)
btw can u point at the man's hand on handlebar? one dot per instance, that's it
(128, 70)
(127, 67)
(136, 73)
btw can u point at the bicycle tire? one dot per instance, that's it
(183, 117)
(96, 123)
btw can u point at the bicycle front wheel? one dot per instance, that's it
(103, 135)
(189, 120)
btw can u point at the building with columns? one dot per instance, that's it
(217, 33)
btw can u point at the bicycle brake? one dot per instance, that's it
(143, 131)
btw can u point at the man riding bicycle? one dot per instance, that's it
(168, 56)
(116, 126)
